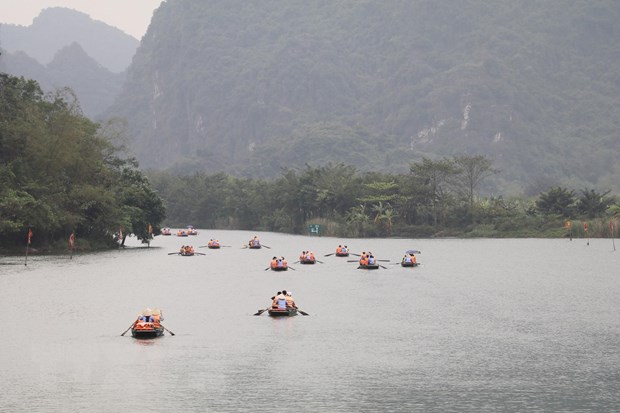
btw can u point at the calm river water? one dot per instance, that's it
(482, 325)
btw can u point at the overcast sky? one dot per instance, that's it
(131, 16)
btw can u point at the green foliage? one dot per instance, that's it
(560, 201)
(58, 175)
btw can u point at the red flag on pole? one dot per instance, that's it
(29, 235)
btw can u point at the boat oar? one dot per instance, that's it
(383, 260)
(327, 255)
(171, 333)
(320, 262)
(302, 312)
(173, 253)
(266, 246)
(357, 255)
(385, 268)
(352, 260)
(268, 268)
(199, 253)
(259, 312)
(129, 328)
(296, 262)
(292, 268)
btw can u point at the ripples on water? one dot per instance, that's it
(483, 325)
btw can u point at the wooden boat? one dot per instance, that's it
(408, 264)
(191, 231)
(166, 231)
(213, 246)
(283, 312)
(307, 261)
(342, 254)
(148, 329)
(254, 247)
(187, 253)
(283, 268)
(181, 233)
(368, 266)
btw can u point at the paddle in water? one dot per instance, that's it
(259, 312)
(302, 312)
(128, 328)
(327, 255)
(171, 333)
(266, 246)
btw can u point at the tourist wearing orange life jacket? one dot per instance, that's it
(339, 249)
(274, 262)
(363, 258)
(289, 300)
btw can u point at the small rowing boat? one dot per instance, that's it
(368, 266)
(307, 261)
(409, 264)
(148, 324)
(283, 312)
(166, 231)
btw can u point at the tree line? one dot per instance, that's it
(437, 197)
(60, 174)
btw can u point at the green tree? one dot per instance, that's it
(593, 204)
(558, 200)
(472, 170)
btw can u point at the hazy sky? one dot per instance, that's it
(131, 16)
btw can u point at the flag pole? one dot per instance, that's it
(71, 244)
(28, 246)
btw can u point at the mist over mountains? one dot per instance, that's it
(66, 48)
(251, 87)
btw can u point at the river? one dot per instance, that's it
(481, 325)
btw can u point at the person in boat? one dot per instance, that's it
(407, 259)
(339, 249)
(182, 249)
(289, 300)
(371, 260)
(147, 316)
(303, 256)
(254, 242)
(363, 258)
(310, 256)
(345, 249)
(274, 262)
(274, 301)
(281, 300)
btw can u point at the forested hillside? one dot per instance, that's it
(249, 87)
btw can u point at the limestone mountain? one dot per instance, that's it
(250, 87)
